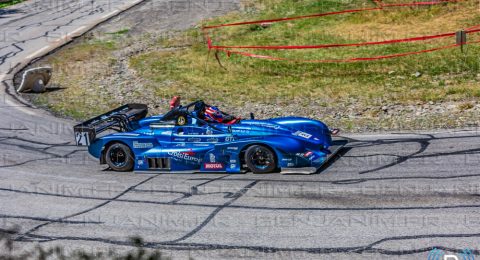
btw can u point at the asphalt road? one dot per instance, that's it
(386, 196)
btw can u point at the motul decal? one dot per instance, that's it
(213, 166)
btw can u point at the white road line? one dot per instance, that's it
(132, 4)
(39, 52)
(22, 108)
(74, 33)
(62, 39)
(110, 14)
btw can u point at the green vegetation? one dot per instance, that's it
(8, 251)
(358, 91)
(120, 32)
(246, 79)
(9, 3)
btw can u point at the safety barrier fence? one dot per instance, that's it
(229, 50)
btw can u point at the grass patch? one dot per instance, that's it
(10, 3)
(120, 32)
(180, 65)
(247, 79)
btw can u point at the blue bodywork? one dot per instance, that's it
(297, 142)
(163, 146)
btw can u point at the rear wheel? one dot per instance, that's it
(119, 157)
(260, 159)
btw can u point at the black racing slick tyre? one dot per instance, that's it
(119, 157)
(260, 159)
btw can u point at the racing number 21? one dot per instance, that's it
(83, 139)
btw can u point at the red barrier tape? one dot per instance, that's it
(290, 47)
(343, 60)
(292, 18)
(331, 13)
(380, 4)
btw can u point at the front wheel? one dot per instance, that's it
(260, 159)
(119, 157)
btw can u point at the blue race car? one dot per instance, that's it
(184, 141)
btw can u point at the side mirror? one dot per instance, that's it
(230, 129)
(252, 116)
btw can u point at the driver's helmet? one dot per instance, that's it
(213, 114)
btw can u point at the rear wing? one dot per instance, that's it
(118, 119)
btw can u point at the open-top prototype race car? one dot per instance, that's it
(201, 138)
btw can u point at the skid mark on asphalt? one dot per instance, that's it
(19, 238)
(205, 205)
(399, 159)
(355, 181)
(3, 216)
(179, 245)
(235, 197)
(369, 248)
(29, 146)
(194, 190)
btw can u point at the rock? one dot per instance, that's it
(418, 74)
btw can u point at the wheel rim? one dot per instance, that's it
(261, 158)
(118, 157)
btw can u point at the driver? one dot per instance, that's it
(214, 115)
(206, 112)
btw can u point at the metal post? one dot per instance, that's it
(461, 38)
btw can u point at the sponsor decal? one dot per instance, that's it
(140, 162)
(179, 139)
(194, 140)
(212, 157)
(180, 145)
(181, 120)
(290, 164)
(230, 139)
(233, 166)
(201, 145)
(185, 157)
(212, 140)
(308, 154)
(161, 126)
(232, 148)
(233, 161)
(126, 134)
(242, 131)
(303, 134)
(265, 125)
(166, 133)
(209, 132)
(138, 145)
(305, 155)
(190, 152)
(213, 166)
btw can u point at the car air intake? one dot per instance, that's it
(159, 163)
